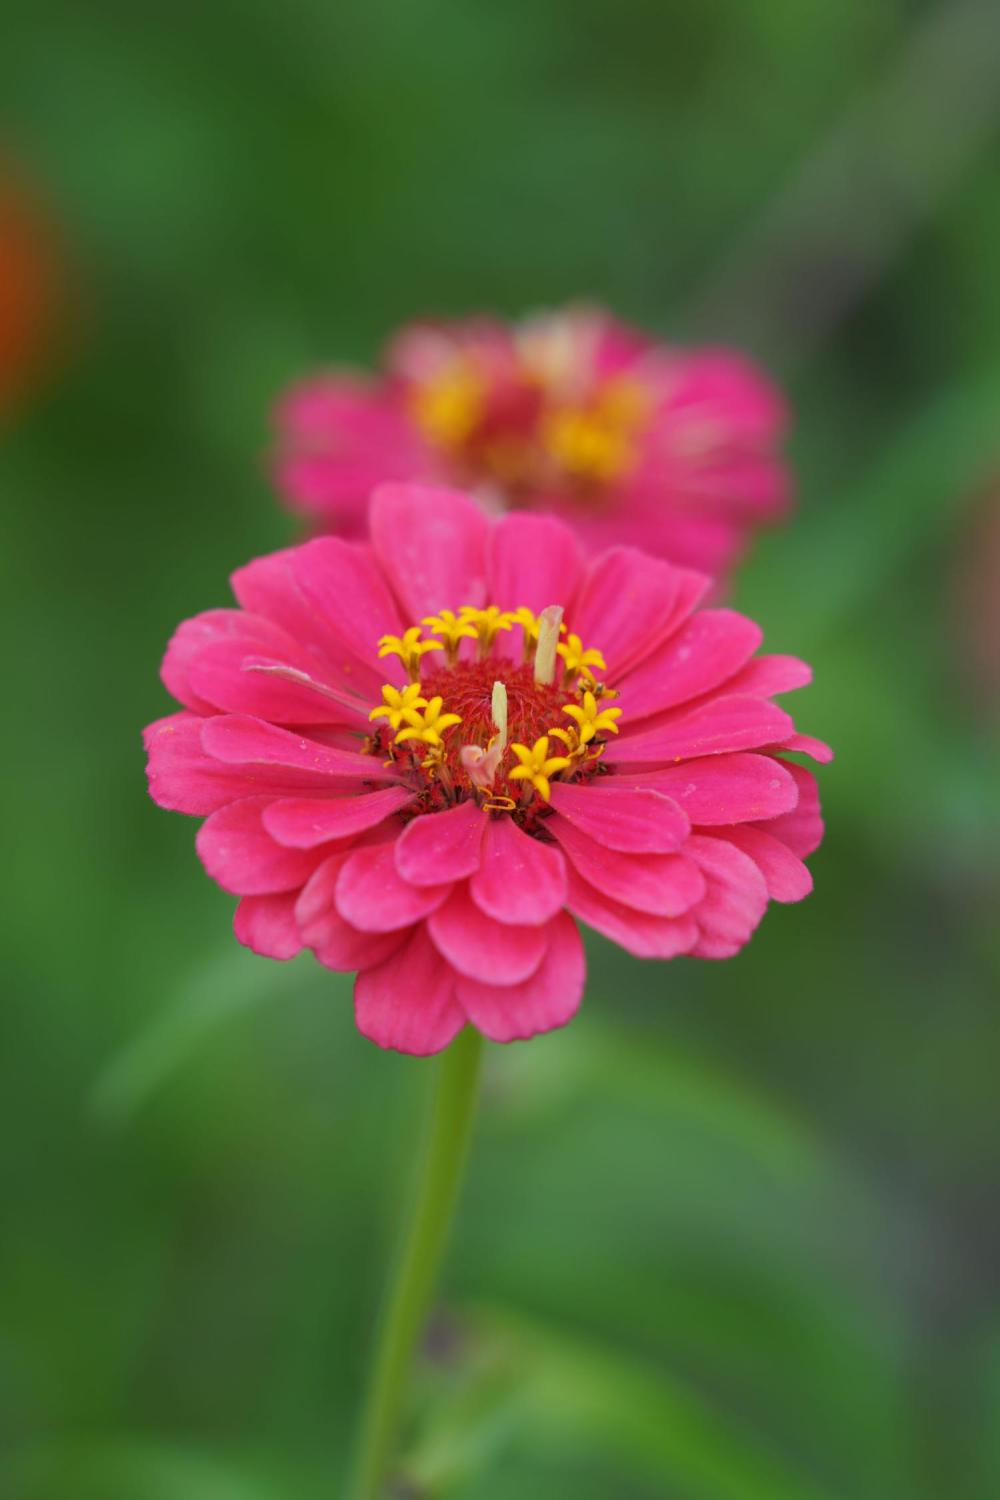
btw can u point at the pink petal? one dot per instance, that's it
(767, 676)
(786, 876)
(212, 628)
(624, 814)
(637, 932)
(235, 678)
(306, 698)
(268, 586)
(804, 744)
(549, 998)
(735, 901)
(706, 651)
(373, 897)
(182, 778)
(335, 943)
(266, 925)
(237, 852)
(432, 545)
(630, 603)
(408, 1002)
(239, 740)
(347, 589)
(303, 822)
(739, 788)
(442, 846)
(520, 880)
(533, 561)
(801, 829)
(479, 947)
(722, 726)
(665, 885)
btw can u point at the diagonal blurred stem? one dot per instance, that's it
(411, 1283)
(860, 193)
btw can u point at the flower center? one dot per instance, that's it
(473, 723)
(528, 424)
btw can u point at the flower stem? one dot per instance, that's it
(411, 1284)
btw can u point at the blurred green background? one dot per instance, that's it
(735, 1234)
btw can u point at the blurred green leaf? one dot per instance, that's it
(655, 1426)
(225, 986)
(816, 577)
(126, 1470)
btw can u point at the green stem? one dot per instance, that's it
(412, 1281)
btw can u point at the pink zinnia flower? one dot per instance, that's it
(572, 413)
(428, 757)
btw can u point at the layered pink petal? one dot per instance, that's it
(482, 948)
(238, 740)
(339, 436)
(786, 876)
(740, 788)
(631, 603)
(336, 944)
(284, 691)
(548, 998)
(801, 828)
(432, 545)
(372, 895)
(347, 589)
(442, 846)
(624, 814)
(804, 744)
(665, 885)
(519, 880)
(711, 647)
(533, 561)
(237, 851)
(182, 778)
(214, 627)
(408, 1002)
(637, 932)
(768, 676)
(722, 726)
(735, 899)
(304, 822)
(266, 925)
(268, 586)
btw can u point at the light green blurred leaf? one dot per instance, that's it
(126, 1470)
(821, 573)
(224, 987)
(654, 1426)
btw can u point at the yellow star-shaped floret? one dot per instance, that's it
(537, 765)
(453, 629)
(590, 719)
(428, 726)
(487, 622)
(399, 704)
(409, 647)
(577, 659)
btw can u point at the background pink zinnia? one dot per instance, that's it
(428, 757)
(675, 451)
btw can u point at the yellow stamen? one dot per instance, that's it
(487, 623)
(429, 726)
(409, 647)
(452, 629)
(591, 720)
(537, 766)
(449, 404)
(576, 659)
(398, 704)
